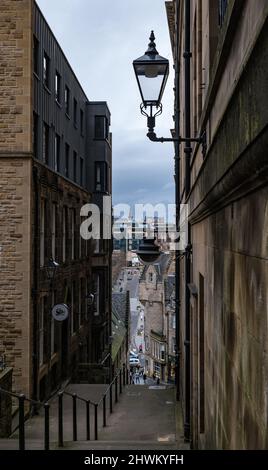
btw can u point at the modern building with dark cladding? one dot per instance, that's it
(55, 157)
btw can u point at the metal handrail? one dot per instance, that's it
(121, 376)
(22, 399)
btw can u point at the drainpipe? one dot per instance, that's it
(177, 199)
(188, 150)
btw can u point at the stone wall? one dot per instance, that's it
(15, 186)
(15, 76)
(228, 217)
(15, 253)
(235, 270)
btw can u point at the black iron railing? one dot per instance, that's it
(120, 380)
(36, 404)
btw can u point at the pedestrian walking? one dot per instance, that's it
(144, 378)
(137, 376)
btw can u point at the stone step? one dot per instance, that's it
(120, 445)
(36, 444)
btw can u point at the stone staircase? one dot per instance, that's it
(143, 419)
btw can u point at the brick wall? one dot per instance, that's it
(15, 75)
(15, 186)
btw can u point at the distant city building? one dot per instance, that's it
(120, 330)
(55, 156)
(152, 290)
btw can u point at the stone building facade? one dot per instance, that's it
(223, 288)
(152, 296)
(45, 160)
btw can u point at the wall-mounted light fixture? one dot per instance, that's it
(152, 72)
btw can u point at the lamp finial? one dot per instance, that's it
(152, 46)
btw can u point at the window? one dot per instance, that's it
(157, 369)
(97, 246)
(80, 246)
(162, 352)
(81, 122)
(35, 134)
(73, 232)
(101, 127)
(64, 233)
(53, 230)
(72, 306)
(75, 166)
(101, 176)
(52, 328)
(58, 87)
(41, 331)
(36, 55)
(57, 153)
(151, 277)
(45, 143)
(201, 356)
(67, 100)
(67, 160)
(174, 345)
(42, 232)
(80, 290)
(75, 112)
(96, 295)
(81, 171)
(46, 70)
(222, 10)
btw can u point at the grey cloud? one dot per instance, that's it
(100, 39)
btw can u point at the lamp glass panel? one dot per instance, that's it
(151, 87)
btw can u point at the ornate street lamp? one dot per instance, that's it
(151, 72)
(51, 270)
(148, 251)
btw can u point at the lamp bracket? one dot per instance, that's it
(154, 111)
(200, 140)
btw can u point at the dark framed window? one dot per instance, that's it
(81, 122)
(36, 55)
(101, 127)
(67, 160)
(45, 143)
(81, 171)
(223, 4)
(75, 112)
(75, 166)
(58, 87)
(46, 70)
(57, 153)
(67, 100)
(101, 176)
(35, 134)
(65, 234)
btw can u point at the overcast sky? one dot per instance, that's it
(100, 39)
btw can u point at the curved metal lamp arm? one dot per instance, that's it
(153, 137)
